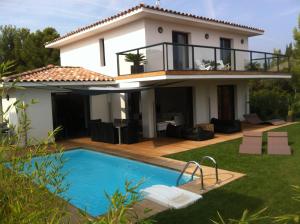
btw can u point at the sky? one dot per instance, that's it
(276, 17)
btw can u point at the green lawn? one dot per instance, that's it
(267, 184)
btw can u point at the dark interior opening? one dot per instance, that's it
(174, 102)
(226, 102)
(134, 109)
(72, 113)
(181, 52)
(225, 54)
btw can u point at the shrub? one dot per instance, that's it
(24, 195)
(269, 104)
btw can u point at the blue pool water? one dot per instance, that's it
(91, 174)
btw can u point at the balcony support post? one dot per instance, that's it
(234, 60)
(251, 60)
(193, 57)
(215, 58)
(118, 64)
(277, 63)
(164, 60)
(167, 58)
(266, 66)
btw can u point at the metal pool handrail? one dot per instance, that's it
(196, 169)
(215, 163)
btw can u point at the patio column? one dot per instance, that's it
(242, 100)
(201, 104)
(148, 113)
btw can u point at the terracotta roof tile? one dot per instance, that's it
(52, 73)
(157, 9)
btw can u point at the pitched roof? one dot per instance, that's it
(140, 6)
(53, 73)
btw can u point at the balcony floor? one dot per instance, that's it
(205, 74)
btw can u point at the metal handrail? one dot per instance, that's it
(201, 46)
(196, 169)
(233, 63)
(215, 163)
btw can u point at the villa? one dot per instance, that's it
(131, 85)
(148, 64)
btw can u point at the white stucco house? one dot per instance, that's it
(195, 67)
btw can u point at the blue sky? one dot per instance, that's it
(276, 17)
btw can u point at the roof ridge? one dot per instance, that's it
(146, 6)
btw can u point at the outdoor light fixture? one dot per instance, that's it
(160, 29)
(242, 41)
(7, 97)
(206, 36)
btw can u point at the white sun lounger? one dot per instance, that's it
(171, 197)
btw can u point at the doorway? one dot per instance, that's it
(174, 104)
(226, 102)
(134, 110)
(180, 52)
(225, 55)
(72, 113)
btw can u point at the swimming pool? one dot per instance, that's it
(90, 174)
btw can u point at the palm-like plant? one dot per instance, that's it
(246, 218)
(290, 218)
(136, 59)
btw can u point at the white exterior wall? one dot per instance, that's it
(196, 36)
(148, 113)
(39, 114)
(100, 107)
(108, 107)
(86, 52)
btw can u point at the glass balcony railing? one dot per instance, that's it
(170, 56)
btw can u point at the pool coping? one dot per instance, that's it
(172, 164)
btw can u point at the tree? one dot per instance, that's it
(296, 58)
(289, 50)
(27, 48)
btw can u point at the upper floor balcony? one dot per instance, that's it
(197, 59)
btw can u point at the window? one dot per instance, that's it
(102, 52)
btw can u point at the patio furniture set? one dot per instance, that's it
(203, 132)
(120, 131)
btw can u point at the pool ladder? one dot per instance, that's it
(198, 167)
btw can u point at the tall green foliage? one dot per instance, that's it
(280, 98)
(24, 197)
(296, 58)
(270, 104)
(27, 48)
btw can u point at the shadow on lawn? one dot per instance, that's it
(228, 204)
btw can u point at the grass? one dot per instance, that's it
(267, 184)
